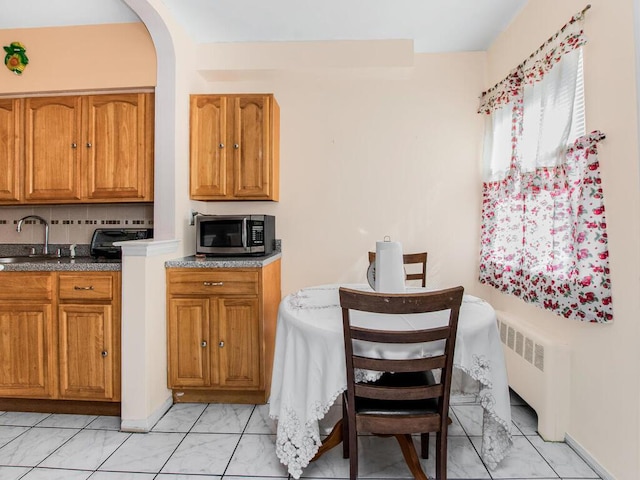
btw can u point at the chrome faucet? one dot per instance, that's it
(45, 248)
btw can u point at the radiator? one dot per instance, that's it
(538, 367)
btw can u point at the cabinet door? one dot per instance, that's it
(238, 342)
(208, 147)
(251, 146)
(88, 353)
(52, 148)
(10, 121)
(189, 337)
(118, 147)
(26, 351)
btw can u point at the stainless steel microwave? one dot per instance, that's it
(229, 235)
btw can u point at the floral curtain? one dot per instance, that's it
(543, 234)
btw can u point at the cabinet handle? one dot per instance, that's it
(104, 353)
(203, 344)
(74, 145)
(88, 144)
(221, 145)
(213, 284)
(236, 146)
(76, 287)
(221, 344)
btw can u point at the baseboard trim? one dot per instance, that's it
(586, 456)
(145, 425)
(43, 405)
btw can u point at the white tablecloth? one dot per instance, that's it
(309, 368)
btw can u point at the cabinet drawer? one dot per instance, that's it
(212, 282)
(25, 285)
(85, 287)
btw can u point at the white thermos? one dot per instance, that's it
(389, 274)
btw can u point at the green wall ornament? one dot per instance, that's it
(16, 58)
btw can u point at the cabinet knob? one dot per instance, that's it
(236, 146)
(213, 284)
(78, 287)
(203, 344)
(221, 344)
(88, 144)
(221, 145)
(104, 353)
(74, 145)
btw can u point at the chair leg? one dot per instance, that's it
(345, 430)
(353, 452)
(441, 456)
(411, 456)
(424, 445)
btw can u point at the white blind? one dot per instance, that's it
(579, 122)
(549, 117)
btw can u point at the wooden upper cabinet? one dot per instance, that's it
(251, 147)
(10, 149)
(208, 146)
(77, 149)
(235, 147)
(52, 144)
(119, 147)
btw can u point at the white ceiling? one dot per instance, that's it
(434, 25)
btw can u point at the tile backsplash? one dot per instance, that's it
(70, 223)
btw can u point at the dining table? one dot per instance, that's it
(309, 372)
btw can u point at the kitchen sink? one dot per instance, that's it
(29, 258)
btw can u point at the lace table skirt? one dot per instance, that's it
(309, 372)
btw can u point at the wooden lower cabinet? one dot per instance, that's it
(87, 348)
(188, 330)
(27, 350)
(221, 333)
(27, 335)
(60, 340)
(238, 342)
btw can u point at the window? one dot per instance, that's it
(543, 227)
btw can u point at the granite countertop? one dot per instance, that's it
(77, 264)
(223, 262)
(82, 262)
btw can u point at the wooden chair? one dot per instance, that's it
(411, 259)
(409, 400)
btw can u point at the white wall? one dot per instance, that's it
(604, 390)
(389, 148)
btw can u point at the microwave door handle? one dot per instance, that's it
(244, 232)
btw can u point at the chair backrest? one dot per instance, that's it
(441, 300)
(411, 259)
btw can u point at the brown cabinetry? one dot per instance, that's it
(221, 330)
(79, 149)
(118, 147)
(10, 121)
(27, 336)
(88, 336)
(52, 157)
(60, 336)
(235, 147)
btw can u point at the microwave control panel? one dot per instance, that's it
(257, 235)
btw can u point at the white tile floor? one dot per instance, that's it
(207, 442)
